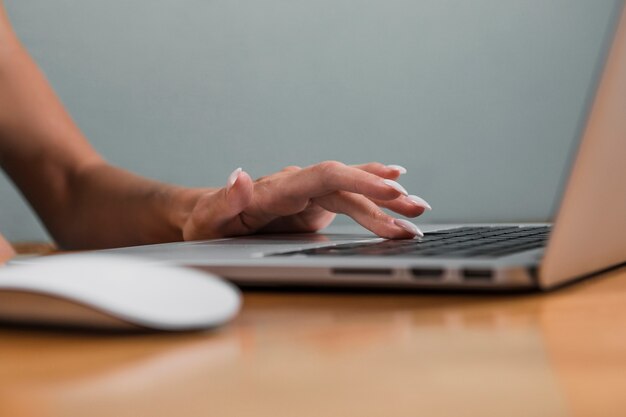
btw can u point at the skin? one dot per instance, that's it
(87, 203)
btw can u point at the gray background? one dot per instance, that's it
(480, 99)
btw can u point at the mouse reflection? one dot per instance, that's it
(72, 373)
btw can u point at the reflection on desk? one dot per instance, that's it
(318, 354)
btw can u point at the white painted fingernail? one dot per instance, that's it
(409, 227)
(396, 186)
(398, 167)
(419, 201)
(232, 179)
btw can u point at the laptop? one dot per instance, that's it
(587, 234)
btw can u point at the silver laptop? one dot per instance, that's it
(587, 236)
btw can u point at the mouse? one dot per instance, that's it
(114, 292)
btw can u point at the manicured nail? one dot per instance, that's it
(419, 201)
(232, 179)
(396, 186)
(398, 167)
(409, 227)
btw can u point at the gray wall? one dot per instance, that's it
(478, 99)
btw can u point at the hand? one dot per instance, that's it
(306, 200)
(6, 250)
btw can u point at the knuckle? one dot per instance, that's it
(291, 168)
(327, 171)
(329, 166)
(374, 166)
(357, 186)
(375, 214)
(377, 166)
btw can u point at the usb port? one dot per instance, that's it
(426, 273)
(362, 271)
(478, 275)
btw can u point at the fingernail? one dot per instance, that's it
(398, 167)
(232, 179)
(396, 186)
(409, 227)
(419, 201)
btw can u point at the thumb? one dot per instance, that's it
(216, 214)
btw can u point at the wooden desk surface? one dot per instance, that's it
(311, 354)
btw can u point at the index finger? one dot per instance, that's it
(382, 170)
(330, 176)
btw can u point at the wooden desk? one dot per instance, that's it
(308, 354)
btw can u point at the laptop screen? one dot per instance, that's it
(588, 102)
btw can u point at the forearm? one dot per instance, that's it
(83, 201)
(102, 206)
(41, 149)
(33, 122)
(111, 207)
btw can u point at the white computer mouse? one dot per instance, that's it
(113, 291)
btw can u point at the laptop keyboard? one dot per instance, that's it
(462, 242)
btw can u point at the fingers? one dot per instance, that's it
(305, 199)
(409, 206)
(384, 171)
(217, 214)
(331, 176)
(369, 215)
(290, 191)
